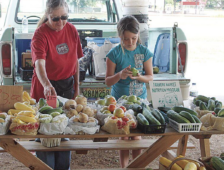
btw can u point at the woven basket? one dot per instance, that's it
(162, 167)
(205, 161)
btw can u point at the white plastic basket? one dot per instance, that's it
(185, 127)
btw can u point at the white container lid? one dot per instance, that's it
(136, 3)
(135, 10)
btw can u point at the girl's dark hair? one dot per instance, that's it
(50, 6)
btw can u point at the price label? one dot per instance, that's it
(95, 92)
(9, 95)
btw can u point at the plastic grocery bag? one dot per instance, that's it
(99, 56)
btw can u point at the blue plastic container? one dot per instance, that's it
(100, 40)
(22, 45)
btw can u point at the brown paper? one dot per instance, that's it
(26, 60)
(10, 95)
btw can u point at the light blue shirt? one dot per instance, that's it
(122, 60)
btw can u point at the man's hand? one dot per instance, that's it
(49, 91)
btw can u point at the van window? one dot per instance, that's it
(79, 11)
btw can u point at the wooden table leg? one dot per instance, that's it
(23, 155)
(205, 147)
(204, 144)
(156, 149)
(182, 145)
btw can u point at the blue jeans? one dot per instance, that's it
(57, 160)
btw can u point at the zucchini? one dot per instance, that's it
(217, 110)
(217, 163)
(202, 106)
(213, 98)
(176, 117)
(141, 118)
(164, 109)
(218, 105)
(148, 115)
(211, 105)
(58, 109)
(158, 116)
(44, 109)
(203, 98)
(165, 116)
(178, 109)
(197, 120)
(188, 116)
(197, 103)
(221, 113)
(42, 102)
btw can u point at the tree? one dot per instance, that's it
(216, 3)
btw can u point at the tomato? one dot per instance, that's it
(124, 108)
(125, 119)
(111, 107)
(113, 117)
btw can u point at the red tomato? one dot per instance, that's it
(111, 107)
(125, 119)
(113, 117)
(124, 108)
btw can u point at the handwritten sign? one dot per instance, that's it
(165, 93)
(52, 101)
(10, 95)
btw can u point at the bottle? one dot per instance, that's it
(25, 24)
(193, 90)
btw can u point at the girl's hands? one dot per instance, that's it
(126, 72)
(135, 77)
(49, 91)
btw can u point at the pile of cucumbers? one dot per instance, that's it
(45, 109)
(211, 104)
(183, 115)
(150, 116)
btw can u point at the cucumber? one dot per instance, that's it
(197, 103)
(178, 109)
(58, 109)
(194, 100)
(176, 117)
(60, 103)
(218, 105)
(213, 98)
(217, 163)
(217, 110)
(165, 116)
(203, 98)
(42, 102)
(158, 116)
(197, 120)
(45, 108)
(164, 109)
(141, 118)
(188, 116)
(221, 113)
(148, 115)
(202, 106)
(211, 105)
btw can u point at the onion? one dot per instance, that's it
(70, 104)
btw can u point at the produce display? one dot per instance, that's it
(181, 163)
(214, 163)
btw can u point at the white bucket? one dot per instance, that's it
(185, 91)
(144, 37)
(136, 3)
(143, 26)
(135, 10)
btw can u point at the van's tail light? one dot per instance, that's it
(6, 59)
(183, 56)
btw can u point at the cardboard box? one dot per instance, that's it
(26, 60)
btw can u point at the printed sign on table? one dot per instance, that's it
(165, 93)
(10, 95)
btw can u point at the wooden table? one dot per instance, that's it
(170, 136)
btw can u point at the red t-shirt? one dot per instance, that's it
(61, 51)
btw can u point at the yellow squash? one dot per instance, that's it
(190, 166)
(166, 162)
(22, 106)
(26, 119)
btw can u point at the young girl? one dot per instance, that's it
(129, 54)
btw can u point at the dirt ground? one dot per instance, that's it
(110, 159)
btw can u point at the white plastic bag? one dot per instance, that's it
(99, 56)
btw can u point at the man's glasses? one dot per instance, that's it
(56, 19)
